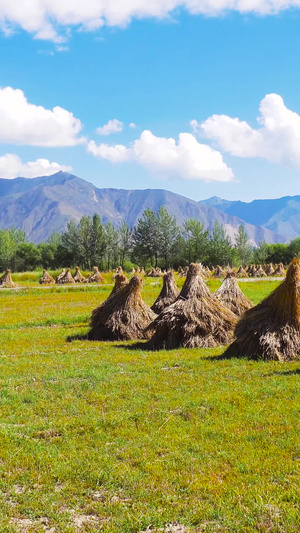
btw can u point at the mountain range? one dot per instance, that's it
(42, 205)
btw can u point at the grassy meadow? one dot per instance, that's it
(98, 437)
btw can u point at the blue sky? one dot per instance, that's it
(158, 75)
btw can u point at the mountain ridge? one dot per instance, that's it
(46, 203)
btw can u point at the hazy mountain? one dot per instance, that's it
(281, 215)
(42, 205)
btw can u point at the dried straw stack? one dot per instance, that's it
(123, 316)
(120, 282)
(95, 277)
(60, 276)
(259, 272)
(241, 273)
(269, 270)
(167, 295)
(231, 296)
(271, 329)
(218, 272)
(6, 281)
(279, 270)
(66, 279)
(195, 319)
(46, 279)
(78, 277)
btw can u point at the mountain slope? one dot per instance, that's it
(42, 205)
(281, 215)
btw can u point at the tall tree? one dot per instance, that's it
(243, 249)
(196, 241)
(220, 249)
(125, 242)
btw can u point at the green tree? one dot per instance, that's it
(146, 239)
(196, 241)
(243, 249)
(28, 257)
(125, 242)
(168, 236)
(220, 249)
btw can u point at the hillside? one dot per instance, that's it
(41, 205)
(281, 215)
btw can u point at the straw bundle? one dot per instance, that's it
(168, 293)
(46, 279)
(271, 329)
(195, 319)
(231, 296)
(78, 277)
(95, 277)
(6, 281)
(123, 316)
(67, 278)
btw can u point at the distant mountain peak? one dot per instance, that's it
(47, 203)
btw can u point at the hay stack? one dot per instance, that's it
(218, 272)
(78, 277)
(241, 273)
(251, 270)
(231, 296)
(271, 329)
(95, 277)
(168, 293)
(259, 272)
(123, 316)
(195, 319)
(270, 270)
(67, 278)
(46, 279)
(60, 276)
(279, 270)
(6, 281)
(120, 282)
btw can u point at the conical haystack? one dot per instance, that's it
(259, 272)
(46, 279)
(279, 270)
(231, 296)
(241, 273)
(120, 282)
(271, 329)
(67, 278)
(269, 270)
(78, 277)
(95, 277)
(195, 319)
(123, 316)
(60, 276)
(251, 270)
(168, 293)
(6, 281)
(218, 272)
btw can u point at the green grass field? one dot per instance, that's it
(98, 437)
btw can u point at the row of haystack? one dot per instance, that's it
(192, 317)
(196, 318)
(66, 277)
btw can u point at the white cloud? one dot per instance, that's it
(277, 138)
(132, 125)
(185, 159)
(11, 167)
(113, 126)
(29, 124)
(52, 19)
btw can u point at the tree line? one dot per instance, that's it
(156, 240)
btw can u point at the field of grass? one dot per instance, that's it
(98, 437)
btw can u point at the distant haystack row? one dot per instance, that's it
(66, 278)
